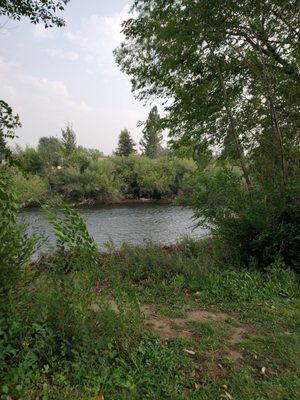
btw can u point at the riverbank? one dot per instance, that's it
(116, 202)
(154, 322)
(172, 201)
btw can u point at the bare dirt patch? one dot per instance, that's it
(238, 332)
(174, 327)
(212, 365)
(163, 326)
(203, 315)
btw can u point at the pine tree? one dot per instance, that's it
(125, 145)
(152, 137)
(69, 140)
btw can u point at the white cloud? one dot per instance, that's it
(96, 40)
(65, 55)
(80, 106)
(40, 32)
(17, 83)
(47, 85)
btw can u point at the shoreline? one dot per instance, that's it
(122, 202)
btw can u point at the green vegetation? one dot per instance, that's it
(154, 322)
(59, 168)
(152, 137)
(126, 144)
(31, 189)
(8, 123)
(228, 73)
(38, 11)
(215, 319)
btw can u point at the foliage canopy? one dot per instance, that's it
(229, 75)
(38, 11)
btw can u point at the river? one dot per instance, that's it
(134, 224)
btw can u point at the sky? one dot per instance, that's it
(54, 76)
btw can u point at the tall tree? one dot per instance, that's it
(69, 140)
(126, 145)
(228, 74)
(152, 136)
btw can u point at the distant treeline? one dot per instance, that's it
(59, 168)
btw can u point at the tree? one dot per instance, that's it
(229, 71)
(69, 140)
(152, 137)
(51, 150)
(36, 10)
(93, 153)
(30, 160)
(228, 74)
(8, 124)
(125, 145)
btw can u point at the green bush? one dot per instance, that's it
(85, 176)
(75, 248)
(153, 178)
(32, 190)
(257, 228)
(16, 247)
(49, 331)
(100, 182)
(96, 183)
(30, 160)
(183, 172)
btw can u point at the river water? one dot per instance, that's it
(134, 224)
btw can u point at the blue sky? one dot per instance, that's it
(61, 75)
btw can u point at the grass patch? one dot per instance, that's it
(84, 333)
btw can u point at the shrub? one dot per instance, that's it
(75, 248)
(153, 178)
(100, 182)
(16, 246)
(95, 183)
(32, 190)
(30, 161)
(182, 176)
(256, 228)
